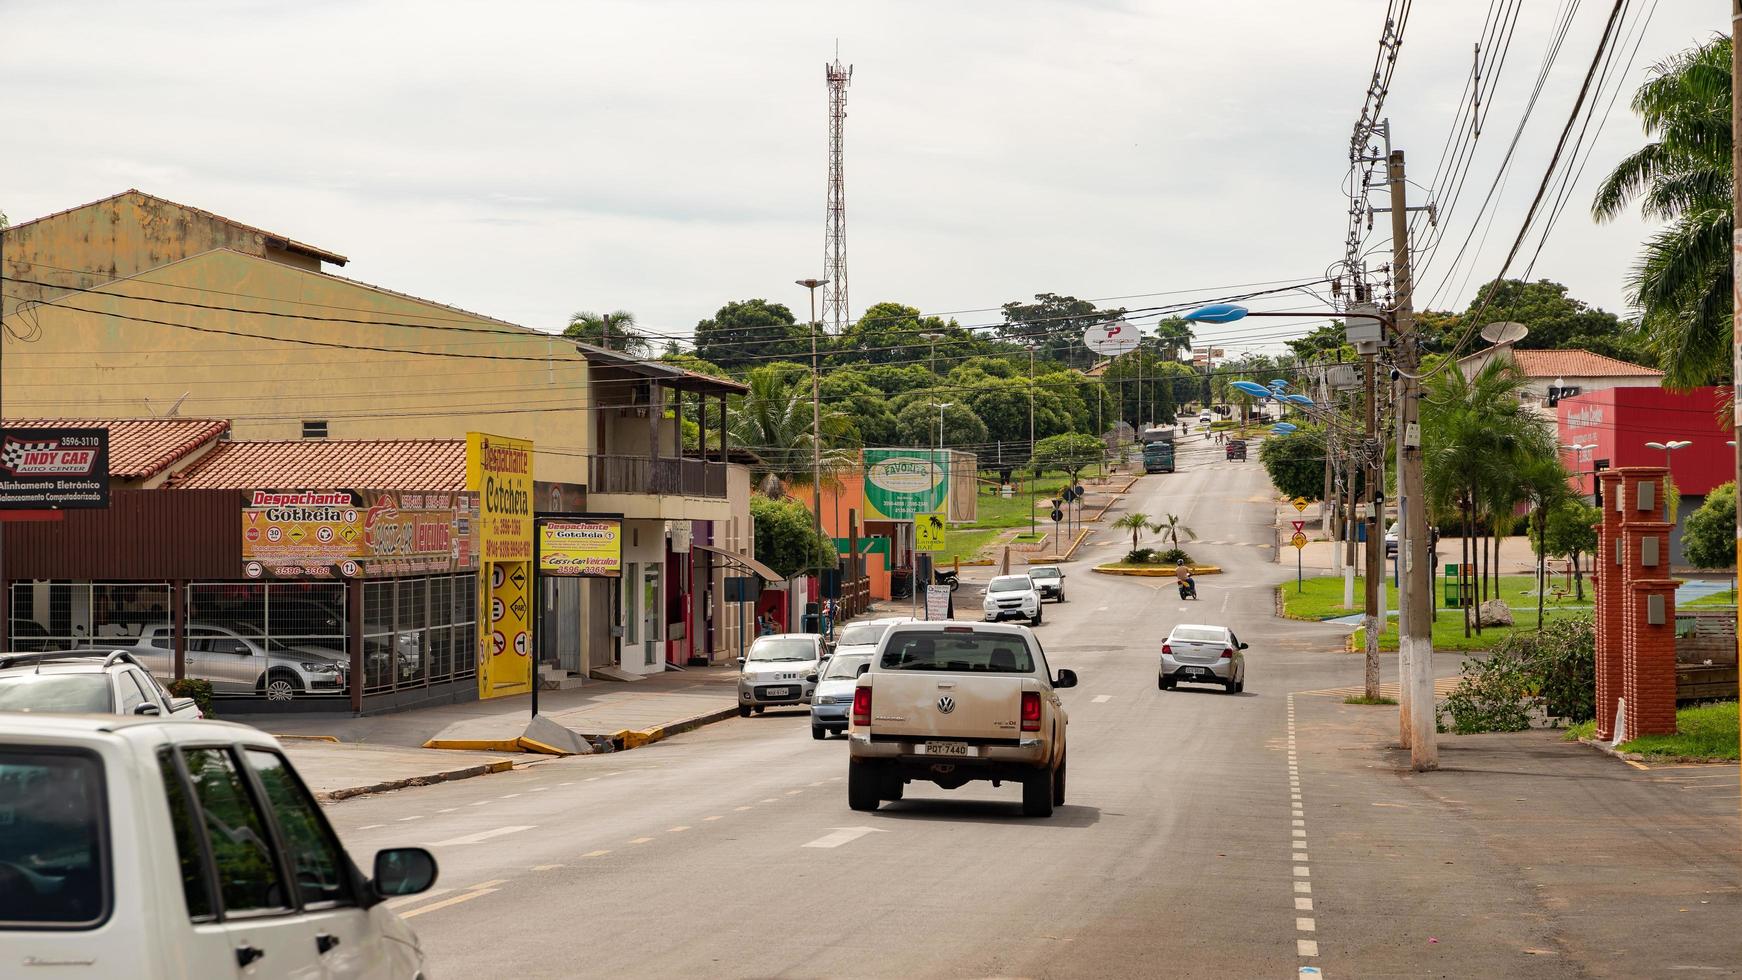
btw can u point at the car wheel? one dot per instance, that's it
(1061, 595)
(759, 709)
(1228, 687)
(1037, 794)
(1036, 620)
(743, 711)
(1160, 683)
(862, 787)
(1240, 686)
(280, 686)
(1058, 781)
(819, 733)
(892, 789)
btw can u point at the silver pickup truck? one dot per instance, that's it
(952, 702)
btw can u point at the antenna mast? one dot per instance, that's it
(835, 313)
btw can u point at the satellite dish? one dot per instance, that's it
(1112, 339)
(1505, 332)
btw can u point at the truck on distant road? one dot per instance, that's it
(1158, 450)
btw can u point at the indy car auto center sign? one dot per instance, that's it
(50, 469)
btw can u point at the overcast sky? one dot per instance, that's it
(527, 160)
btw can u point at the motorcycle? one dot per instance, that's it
(1189, 588)
(947, 578)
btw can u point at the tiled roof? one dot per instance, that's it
(1573, 363)
(283, 241)
(376, 464)
(139, 448)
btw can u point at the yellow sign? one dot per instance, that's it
(500, 470)
(581, 547)
(929, 532)
(1299, 540)
(1300, 504)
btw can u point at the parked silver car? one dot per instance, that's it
(832, 700)
(1202, 655)
(773, 671)
(237, 660)
(85, 682)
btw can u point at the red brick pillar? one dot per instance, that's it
(1606, 577)
(1644, 543)
(1648, 673)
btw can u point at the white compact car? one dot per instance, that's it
(156, 849)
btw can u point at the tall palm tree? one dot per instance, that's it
(772, 422)
(612, 331)
(1171, 529)
(1135, 523)
(1682, 284)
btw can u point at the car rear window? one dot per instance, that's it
(863, 634)
(54, 864)
(1190, 635)
(56, 693)
(998, 653)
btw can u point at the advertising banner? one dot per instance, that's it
(900, 483)
(47, 469)
(929, 532)
(592, 547)
(357, 533)
(499, 470)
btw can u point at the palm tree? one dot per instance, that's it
(1542, 482)
(612, 331)
(772, 422)
(1171, 529)
(1682, 284)
(1135, 523)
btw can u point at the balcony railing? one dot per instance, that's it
(667, 477)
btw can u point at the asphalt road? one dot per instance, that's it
(1193, 843)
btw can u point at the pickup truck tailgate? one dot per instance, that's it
(933, 704)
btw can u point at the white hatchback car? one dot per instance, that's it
(149, 848)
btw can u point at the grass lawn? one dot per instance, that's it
(1322, 597)
(1448, 631)
(1720, 599)
(1704, 731)
(994, 511)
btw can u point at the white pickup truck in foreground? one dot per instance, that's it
(953, 702)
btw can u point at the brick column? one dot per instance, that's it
(1644, 554)
(1648, 673)
(1606, 578)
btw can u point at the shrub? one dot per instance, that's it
(200, 691)
(1175, 556)
(1555, 668)
(1140, 556)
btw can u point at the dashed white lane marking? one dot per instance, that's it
(678, 830)
(448, 809)
(480, 836)
(771, 799)
(794, 792)
(417, 817)
(1305, 924)
(1305, 887)
(715, 817)
(1306, 947)
(595, 854)
(476, 891)
(843, 835)
(371, 826)
(481, 803)
(545, 867)
(640, 840)
(741, 809)
(540, 789)
(1102, 698)
(508, 796)
(1303, 905)
(1302, 866)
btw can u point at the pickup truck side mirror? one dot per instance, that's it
(1066, 678)
(403, 871)
(147, 708)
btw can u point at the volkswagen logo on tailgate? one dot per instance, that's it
(946, 704)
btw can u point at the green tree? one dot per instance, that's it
(1054, 325)
(772, 422)
(1135, 523)
(1296, 462)
(916, 425)
(1072, 452)
(890, 333)
(1171, 337)
(786, 537)
(863, 404)
(749, 332)
(1170, 530)
(1683, 282)
(1709, 537)
(612, 331)
(897, 379)
(1572, 533)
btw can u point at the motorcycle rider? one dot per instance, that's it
(1182, 573)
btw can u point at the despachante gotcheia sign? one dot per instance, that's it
(54, 469)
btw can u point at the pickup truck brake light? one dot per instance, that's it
(862, 706)
(1030, 711)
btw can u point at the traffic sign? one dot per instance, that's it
(1299, 526)
(1299, 540)
(1300, 504)
(1057, 515)
(929, 532)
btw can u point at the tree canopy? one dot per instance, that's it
(1054, 324)
(1296, 462)
(750, 331)
(1709, 536)
(786, 538)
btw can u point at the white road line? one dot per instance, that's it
(404, 819)
(1304, 924)
(678, 830)
(771, 799)
(640, 840)
(403, 900)
(1306, 947)
(446, 902)
(1302, 871)
(843, 835)
(540, 789)
(448, 809)
(715, 817)
(1102, 698)
(595, 854)
(741, 809)
(371, 826)
(480, 836)
(545, 867)
(794, 792)
(481, 803)
(1303, 905)
(508, 796)
(1304, 887)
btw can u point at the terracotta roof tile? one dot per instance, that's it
(139, 448)
(1574, 363)
(377, 464)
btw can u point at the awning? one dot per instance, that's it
(733, 558)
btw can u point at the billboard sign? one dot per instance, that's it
(334, 534)
(590, 547)
(1112, 339)
(900, 483)
(50, 469)
(499, 470)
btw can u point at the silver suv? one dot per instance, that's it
(778, 670)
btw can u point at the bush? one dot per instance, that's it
(200, 691)
(1175, 556)
(1556, 668)
(1140, 556)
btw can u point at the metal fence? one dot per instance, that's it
(419, 631)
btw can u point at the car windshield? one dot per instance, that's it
(845, 668)
(57, 693)
(1000, 653)
(863, 634)
(1043, 573)
(1199, 634)
(1010, 583)
(769, 649)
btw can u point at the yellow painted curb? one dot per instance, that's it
(534, 745)
(308, 738)
(500, 765)
(475, 744)
(1159, 571)
(636, 739)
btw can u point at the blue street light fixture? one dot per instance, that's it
(1251, 388)
(1216, 313)
(1278, 384)
(1300, 400)
(1283, 428)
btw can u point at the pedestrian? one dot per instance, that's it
(764, 624)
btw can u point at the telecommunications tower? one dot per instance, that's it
(835, 236)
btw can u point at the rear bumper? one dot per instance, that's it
(831, 715)
(989, 762)
(1211, 673)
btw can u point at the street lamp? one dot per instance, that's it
(1578, 449)
(1668, 447)
(816, 432)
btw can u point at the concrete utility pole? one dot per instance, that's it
(1375, 558)
(1418, 715)
(1033, 474)
(816, 429)
(1736, 240)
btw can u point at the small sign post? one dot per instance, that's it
(1300, 504)
(1300, 542)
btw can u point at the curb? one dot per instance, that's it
(626, 739)
(334, 796)
(334, 739)
(1159, 571)
(1638, 759)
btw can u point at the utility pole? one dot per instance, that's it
(816, 431)
(1736, 258)
(1418, 715)
(1370, 463)
(1033, 474)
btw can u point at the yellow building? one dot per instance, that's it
(138, 307)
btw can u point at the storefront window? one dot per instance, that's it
(418, 631)
(69, 615)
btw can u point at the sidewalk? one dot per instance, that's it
(336, 770)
